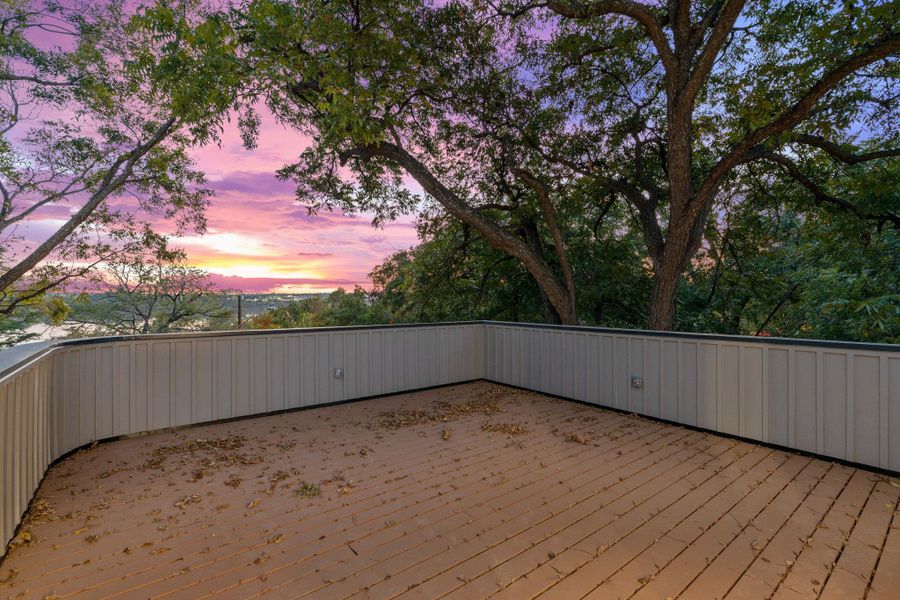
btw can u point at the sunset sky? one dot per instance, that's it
(260, 239)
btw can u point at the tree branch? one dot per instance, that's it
(549, 211)
(840, 153)
(626, 8)
(820, 195)
(795, 114)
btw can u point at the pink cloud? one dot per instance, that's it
(256, 285)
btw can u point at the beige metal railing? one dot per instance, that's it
(835, 399)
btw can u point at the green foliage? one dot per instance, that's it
(337, 309)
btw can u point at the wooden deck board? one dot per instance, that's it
(527, 496)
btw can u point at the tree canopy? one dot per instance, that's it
(507, 116)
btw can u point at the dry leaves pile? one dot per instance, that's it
(507, 428)
(208, 453)
(442, 412)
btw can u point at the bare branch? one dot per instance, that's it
(795, 114)
(820, 195)
(842, 154)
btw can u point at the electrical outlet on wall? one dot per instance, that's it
(637, 382)
(338, 373)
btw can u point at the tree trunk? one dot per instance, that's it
(682, 242)
(661, 316)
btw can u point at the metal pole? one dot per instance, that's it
(240, 319)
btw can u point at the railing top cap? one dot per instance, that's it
(722, 337)
(12, 359)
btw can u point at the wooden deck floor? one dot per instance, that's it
(470, 491)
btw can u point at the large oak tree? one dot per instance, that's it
(671, 102)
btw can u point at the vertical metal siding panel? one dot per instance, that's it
(416, 353)
(496, 352)
(568, 364)
(651, 374)
(635, 367)
(426, 358)
(446, 355)
(805, 381)
(449, 355)
(470, 342)
(408, 358)
(473, 345)
(105, 405)
(377, 357)
(364, 365)
(866, 402)
(506, 356)
(203, 399)
(579, 369)
(488, 341)
(834, 404)
(160, 385)
(87, 395)
(456, 355)
(308, 370)
(388, 374)
(259, 375)
(526, 358)
(752, 384)
(884, 417)
(223, 350)
(293, 368)
(57, 374)
(430, 342)
(668, 380)
(708, 386)
(241, 367)
(399, 382)
(893, 369)
(438, 356)
(6, 457)
(183, 383)
(323, 367)
(607, 397)
(777, 389)
(552, 354)
(351, 362)
(792, 396)
(337, 360)
(687, 382)
(48, 437)
(18, 455)
(28, 434)
(621, 378)
(419, 368)
(820, 404)
(500, 353)
(123, 400)
(730, 401)
(277, 353)
(140, 415)
(532, 376)
(541, 372)
(526, 348)
(594, 369)
(415, 358)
